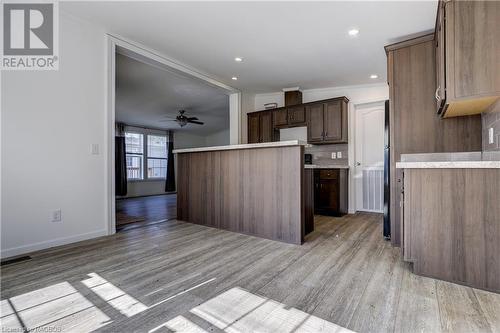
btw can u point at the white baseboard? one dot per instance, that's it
(15, 251)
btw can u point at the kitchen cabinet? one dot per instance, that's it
(260, 127)
(280, 117)
(327, 121)
(315, 123)
(414, 125)
(467, 42)
(253, 122)
(330, 191)
(296, 115)
(451, 224)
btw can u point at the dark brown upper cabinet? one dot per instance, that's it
(315, 123)
(260, 127)
(297, 115)
(467, 62)
(253, 122)
(327, 121)
(266, 126)
(280, 117)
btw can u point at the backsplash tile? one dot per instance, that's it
(322, 154)
(491, 119)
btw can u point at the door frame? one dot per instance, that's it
(364, 107)
(152, 57)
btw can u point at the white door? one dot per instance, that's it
(369, 157)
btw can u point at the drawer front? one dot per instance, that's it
(329, 174)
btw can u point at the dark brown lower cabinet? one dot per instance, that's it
(330, 191)
(308, 200)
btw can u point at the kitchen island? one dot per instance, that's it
(255, 189)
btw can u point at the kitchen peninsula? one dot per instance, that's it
(255, 189)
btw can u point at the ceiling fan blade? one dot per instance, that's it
(195, 122)
(165, 120)
(192, 118)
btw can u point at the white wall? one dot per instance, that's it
(247, 106)
(218, 139)
(49, 121)
(357, 95)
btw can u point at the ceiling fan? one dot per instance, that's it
(183, 120)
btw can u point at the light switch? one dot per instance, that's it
(491, 136)
(339, 154)
(334, 156)
(56, 216)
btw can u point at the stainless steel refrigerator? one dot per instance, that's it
(387, 174)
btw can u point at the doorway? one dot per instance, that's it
(147, 179)
(369, 157)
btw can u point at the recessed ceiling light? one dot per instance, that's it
(353, 32)
(238, 59)
(234, 78)
(374, 76)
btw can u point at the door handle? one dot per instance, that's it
(358, 163)
(438, 98)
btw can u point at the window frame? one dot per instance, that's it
(145, 156)
(142, 178)
(155, 158)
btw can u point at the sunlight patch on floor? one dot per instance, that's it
(56, 306)
(114, 296)
(179, 324)
(238, 310)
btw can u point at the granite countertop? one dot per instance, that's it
(470, 160)
(325, 166)
(242, 146)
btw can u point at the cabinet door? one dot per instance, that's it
(472, 49)
(266, 126)
(333, 121)
(280, 117)
(296, 115)
(253, 127)
(315, 123)
(440, 64)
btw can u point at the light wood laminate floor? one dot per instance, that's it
(177, 276)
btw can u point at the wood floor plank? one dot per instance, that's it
(460, 309)
(418, 308)
(345, 276)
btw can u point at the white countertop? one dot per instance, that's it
(458, 160)
(242, 146)
(449, 165)
(328, 166)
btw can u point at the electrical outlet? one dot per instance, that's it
(491, 136)
(95, 149)
(334, 156)
(56, 215)
(339, 154)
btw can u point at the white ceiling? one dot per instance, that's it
(283, 44)
(146, 95)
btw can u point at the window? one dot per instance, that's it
(134, 148)
(157, 156)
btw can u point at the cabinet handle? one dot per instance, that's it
(437, 93)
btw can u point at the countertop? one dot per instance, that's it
(242, 146)
(469, 160)
(328, 166)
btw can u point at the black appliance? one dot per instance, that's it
(387, 174)
(308, 159)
